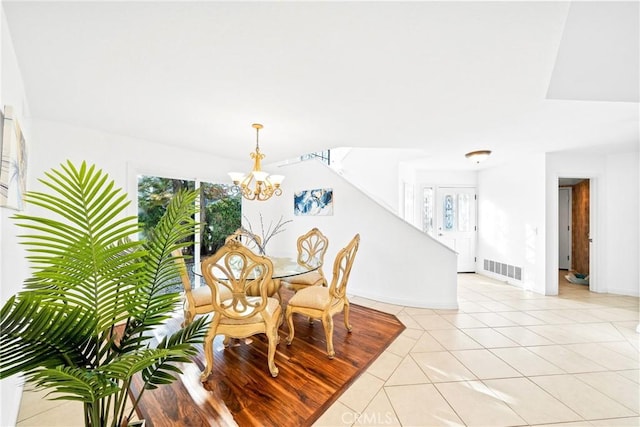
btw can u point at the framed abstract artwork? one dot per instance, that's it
(313, 202)
(13, 170)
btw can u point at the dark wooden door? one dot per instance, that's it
(580, 223)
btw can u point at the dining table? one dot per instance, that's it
(283, 268)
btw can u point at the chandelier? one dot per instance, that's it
(257, 184)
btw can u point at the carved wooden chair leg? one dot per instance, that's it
(289, 316)
(273, 342)
(208, 351)
(327, 322)
(346, 315)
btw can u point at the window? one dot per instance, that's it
(427, 210)
(220, 215)
(154, 194)
(220, 212)
(324, 156)
(408, 202)
(449, 212)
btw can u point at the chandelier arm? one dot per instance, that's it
(245, 186)
(247, 180)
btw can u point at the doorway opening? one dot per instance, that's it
(574, 231)
(449, 214)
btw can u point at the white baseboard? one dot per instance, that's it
(438, 305)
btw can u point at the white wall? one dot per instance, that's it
(621, 225)
(394, 264)
(511, 219)
(460, 178)
(122, 157)
(12, 94)
(377, 172)
(613, 218)
(13, 268)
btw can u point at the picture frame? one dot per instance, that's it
(13, 166)
(315, 202)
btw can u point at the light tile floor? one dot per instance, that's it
(506, 357)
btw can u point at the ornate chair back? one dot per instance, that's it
(247, 238)
(184, 275)
(342, 268)
(231, 274)
(236, 269)
(196, 301)
(312, 246)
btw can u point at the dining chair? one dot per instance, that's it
(318, 302)
(312, 246)
(196, 300)
(247, 238)
(234, 269)
(254, 242)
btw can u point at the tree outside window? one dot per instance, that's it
(220, 211)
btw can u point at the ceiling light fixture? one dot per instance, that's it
(478, 155)
(265, 185)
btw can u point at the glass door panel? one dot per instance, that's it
(220, 215)
(427, 211)
(456, 223)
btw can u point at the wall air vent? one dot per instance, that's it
(503, 269)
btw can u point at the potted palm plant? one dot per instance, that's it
(82, 325)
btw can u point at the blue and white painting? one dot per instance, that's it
(13, 168)
(313, 202)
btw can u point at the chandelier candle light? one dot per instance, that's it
(265, 185)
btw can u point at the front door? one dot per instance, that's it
(456, 224)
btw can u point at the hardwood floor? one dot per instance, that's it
(240, 390)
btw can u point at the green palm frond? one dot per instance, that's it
(82, 325)
(126, 366)
(37, 334)
(75, 384)
(161, 270)
(182, 345)
(76, 254)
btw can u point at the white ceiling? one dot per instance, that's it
(442, 78)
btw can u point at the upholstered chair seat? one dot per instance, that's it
(273, 305)
(202, 296)
(316, 298)
(311, 278)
